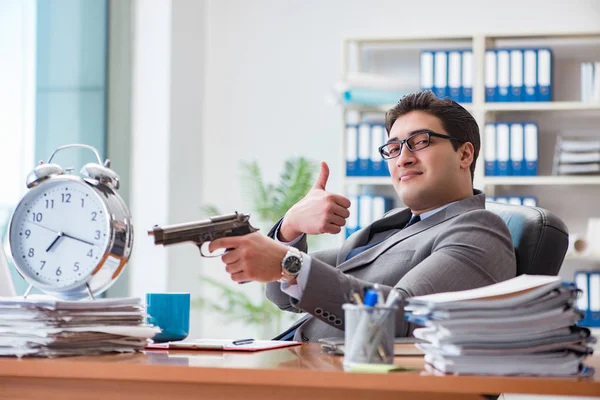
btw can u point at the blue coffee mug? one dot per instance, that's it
(171, 313)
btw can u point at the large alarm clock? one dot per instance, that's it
(71, 235)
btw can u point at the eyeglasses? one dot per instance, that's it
(415, 142)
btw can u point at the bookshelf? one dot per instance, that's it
(397, 58)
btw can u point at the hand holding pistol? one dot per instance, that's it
(204, 231)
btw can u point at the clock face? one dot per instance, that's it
(59, 233)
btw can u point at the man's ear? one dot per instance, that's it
(467, 152)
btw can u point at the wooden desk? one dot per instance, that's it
(302, 372)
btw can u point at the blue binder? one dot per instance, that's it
(490, 149)
(503, 71)
(378, 138)
(467, 76)
(381, 205)
(365, 210)
(502, 149)
(583, 300)
(544, 76)
(531, 148)
(352, 221)
(491, 76)
(352, 150)
(440, 81)
(364, 149)
(594, 301)
(516, 75)
(454, 75)
(530, 84)
(426, 70)
(530, 201)
(517, 153)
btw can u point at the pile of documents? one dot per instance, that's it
(577, 156)
(523, 326)
(45, 327)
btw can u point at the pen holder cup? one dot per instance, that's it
(171, 313)
(369, 334)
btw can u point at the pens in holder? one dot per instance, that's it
(241, 342)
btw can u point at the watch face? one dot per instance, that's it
(293, 265)
(59, 232)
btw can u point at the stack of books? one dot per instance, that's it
(523, 326)
(577, 156)
(45, 327)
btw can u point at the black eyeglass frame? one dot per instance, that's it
(405, 141)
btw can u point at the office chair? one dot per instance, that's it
(540, 238)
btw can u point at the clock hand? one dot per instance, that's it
(48, 229)
(58, 236)
(78, 239)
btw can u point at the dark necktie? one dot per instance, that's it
(413, 220)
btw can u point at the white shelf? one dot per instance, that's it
(368, 180)
(577, 257)
(542, 106)
(542, 180)
(494, 180)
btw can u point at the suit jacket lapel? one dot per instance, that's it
(371, 254)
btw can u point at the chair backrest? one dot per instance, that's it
(540, 238)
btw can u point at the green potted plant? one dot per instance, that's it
(269, 202)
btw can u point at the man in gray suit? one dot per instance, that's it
(444, 240)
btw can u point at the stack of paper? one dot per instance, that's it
(577, 156)
(526, 325)
(45, 327)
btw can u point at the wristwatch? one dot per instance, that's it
(290, 265)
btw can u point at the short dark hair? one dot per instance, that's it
(457, 121)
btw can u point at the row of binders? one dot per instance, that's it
(530, 201)
(588, 303)
(511, 149)
(362, 150)
(365, 209)
(523, 326)
(448, 73)
(511, 75)
(515, 75)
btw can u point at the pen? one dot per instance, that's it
(240, 342)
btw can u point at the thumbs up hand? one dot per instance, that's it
(318, 212)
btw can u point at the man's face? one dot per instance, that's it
(431, 177)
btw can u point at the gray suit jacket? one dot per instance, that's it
(461, 247)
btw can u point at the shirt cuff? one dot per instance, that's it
(296, 291)
(293, 242)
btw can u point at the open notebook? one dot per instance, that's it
(222, 344)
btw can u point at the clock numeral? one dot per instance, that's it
(58, 272)
(66, 197)
(82, 203)
(97, 236)
(49, 203)
(27, 233)
(31, 252)
(94, 215)
(76, 267)
(43, 264)
(90, 253)
(37, 217)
